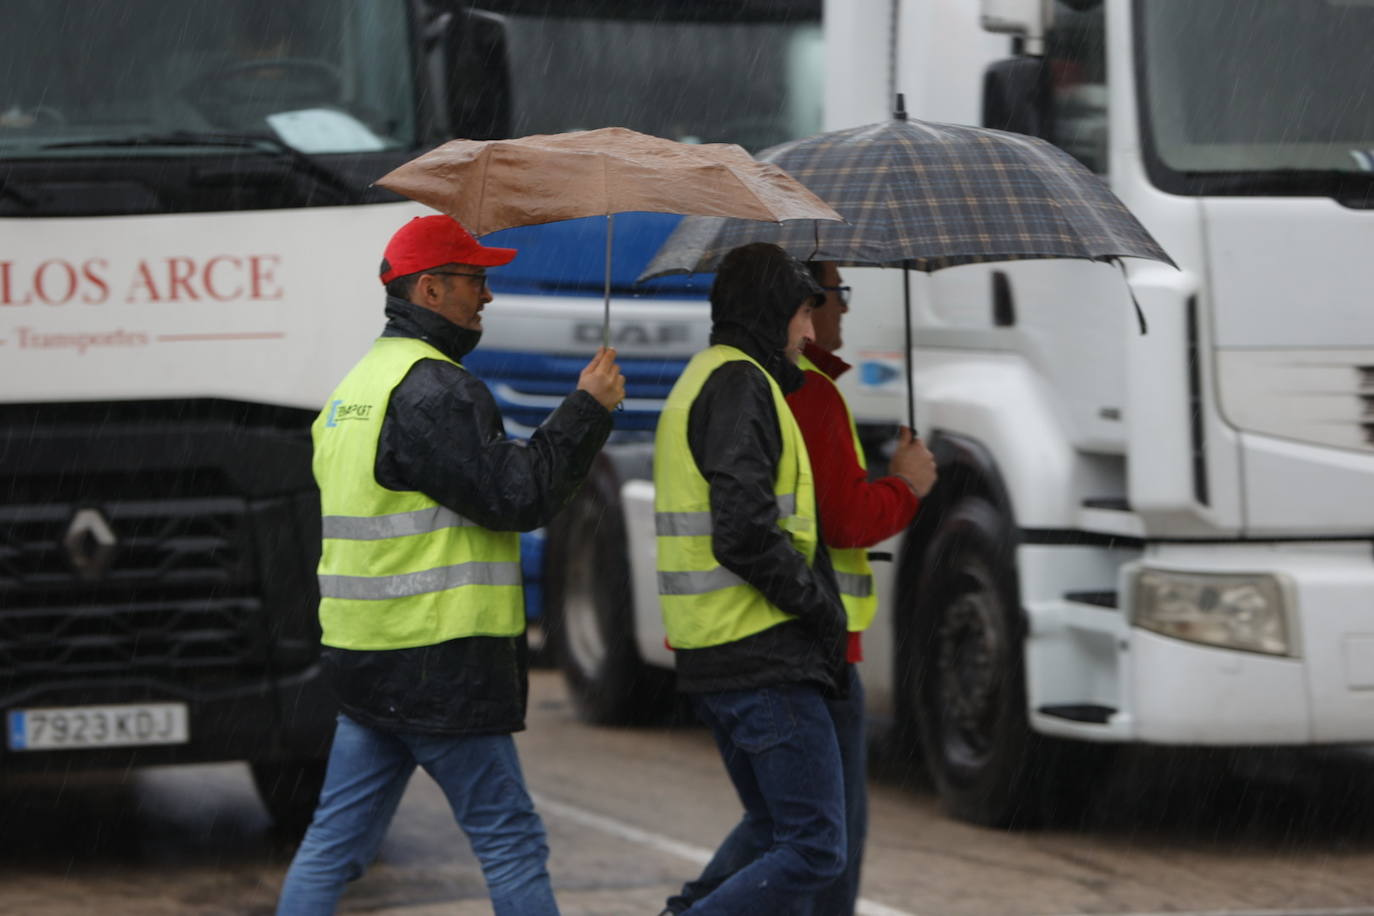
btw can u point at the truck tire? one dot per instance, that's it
(968, 689)
(589, 611)
(290, 790)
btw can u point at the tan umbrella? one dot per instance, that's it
(489, 185)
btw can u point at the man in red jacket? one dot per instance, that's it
(855, 514)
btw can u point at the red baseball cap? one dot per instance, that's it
(431, 241)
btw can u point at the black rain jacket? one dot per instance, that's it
(733, 433)
(442, 435)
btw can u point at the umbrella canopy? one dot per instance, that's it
(924, 196)
(488, 185)
(927, 196)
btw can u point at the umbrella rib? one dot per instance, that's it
(745, 192)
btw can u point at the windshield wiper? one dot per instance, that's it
(262, 143)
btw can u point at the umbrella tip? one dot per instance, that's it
(900, 112)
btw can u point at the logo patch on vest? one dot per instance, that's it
(339, 412)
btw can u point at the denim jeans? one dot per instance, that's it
(368, 771)
(781, 753)
(753, 835)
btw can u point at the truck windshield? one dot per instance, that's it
(702, 72)
(1255, 97)
(322, 76)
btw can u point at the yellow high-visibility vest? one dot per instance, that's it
(397, 569)
(852, 571)
(703, 603)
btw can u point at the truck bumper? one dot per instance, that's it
(191, 578)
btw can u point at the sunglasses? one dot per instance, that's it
(456, 273)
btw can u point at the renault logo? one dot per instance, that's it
(90, 543)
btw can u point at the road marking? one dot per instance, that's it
(697, 855)
(872, 908)
(693, 854)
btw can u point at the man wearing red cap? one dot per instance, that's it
(421, 609)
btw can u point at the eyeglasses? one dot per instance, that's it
(841, 291)
(456, 273)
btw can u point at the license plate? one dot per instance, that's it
(76, 727)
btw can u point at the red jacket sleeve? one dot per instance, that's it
(854, 512)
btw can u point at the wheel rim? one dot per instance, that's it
(582, 625)
(969, 655)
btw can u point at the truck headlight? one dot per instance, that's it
(1236, 612)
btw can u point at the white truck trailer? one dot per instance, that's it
(1162, 538)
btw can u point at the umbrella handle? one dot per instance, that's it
(606, 309)
(606, 316)
(906, 323)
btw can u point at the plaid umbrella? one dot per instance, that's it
(925, 196)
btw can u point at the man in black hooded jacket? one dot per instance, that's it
(421, 611)
(750, 603)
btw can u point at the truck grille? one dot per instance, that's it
(1320, 396)
(1367, 400)
(127, 585)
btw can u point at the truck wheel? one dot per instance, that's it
(289, 789)
(589, 611)
(970, 685)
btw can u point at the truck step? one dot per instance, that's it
(1095, 598)
(1112, 503)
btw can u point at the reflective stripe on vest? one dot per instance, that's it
(685, 524)
(373, 528)
(378, 588)
(397, 569)
(703, 603)
(852, 570)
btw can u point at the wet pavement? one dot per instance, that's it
(633, 812)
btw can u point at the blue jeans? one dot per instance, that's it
(753, 835)
(368, 771)
(781, 753)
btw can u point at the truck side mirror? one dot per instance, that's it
(477, 76)
(1015, 94)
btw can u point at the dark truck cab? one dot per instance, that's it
(188, 266)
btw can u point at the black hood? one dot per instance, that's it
(406, 319)
(758, 289)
